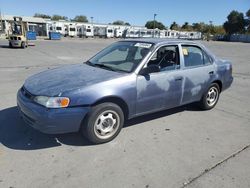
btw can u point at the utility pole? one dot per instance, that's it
(154, 25)
(92, 18)
(1, 21)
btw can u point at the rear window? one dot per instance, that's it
(72, 29)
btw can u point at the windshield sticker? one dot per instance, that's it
(185, 51)
(143, 45)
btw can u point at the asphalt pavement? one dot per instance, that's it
(181, 147)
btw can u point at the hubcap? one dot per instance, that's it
(106, 124)
(212, 96)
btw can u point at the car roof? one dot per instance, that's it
(162, 41)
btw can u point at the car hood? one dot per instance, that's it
(56, 81)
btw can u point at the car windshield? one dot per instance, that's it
(121, 56)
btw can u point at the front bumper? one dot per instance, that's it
(16, 43)
(50, 121)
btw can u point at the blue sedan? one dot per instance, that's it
(127, 79)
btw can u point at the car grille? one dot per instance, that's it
(26, 93)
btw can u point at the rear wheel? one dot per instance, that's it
(210, 97)
(103, 123)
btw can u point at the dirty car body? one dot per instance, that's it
(136, 85)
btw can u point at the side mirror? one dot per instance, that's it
(150, 69)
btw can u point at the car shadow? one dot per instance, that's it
(164, 113)
(5, 46)
(15, 134)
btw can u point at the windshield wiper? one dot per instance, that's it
(89, 63)
(101, 65)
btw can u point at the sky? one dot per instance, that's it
(136, 12)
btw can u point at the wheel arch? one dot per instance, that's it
(116, 100)
(219, 83)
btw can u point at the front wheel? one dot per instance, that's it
(103, 123)
(23, 45)
(210, 97)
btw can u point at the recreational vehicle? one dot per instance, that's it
(110, 32)
(71, 30)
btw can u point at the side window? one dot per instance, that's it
(207, 60)
(167, 58)
(194, 56)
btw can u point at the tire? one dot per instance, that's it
(23, 45)
(103, 123)
(210, 97)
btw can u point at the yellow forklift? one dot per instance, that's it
(18, 37)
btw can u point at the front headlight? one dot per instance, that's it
(52, 102)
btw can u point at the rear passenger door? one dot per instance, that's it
(198, 71)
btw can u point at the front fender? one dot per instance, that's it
(123, 88)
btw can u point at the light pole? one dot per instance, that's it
(92, 19)
(154, 25)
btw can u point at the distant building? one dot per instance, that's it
(31, 23)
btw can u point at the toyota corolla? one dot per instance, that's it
(127, 79)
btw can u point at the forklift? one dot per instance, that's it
(18, 37)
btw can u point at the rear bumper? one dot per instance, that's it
(50, 121)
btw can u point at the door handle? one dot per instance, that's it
(178, 78)
(211, 72)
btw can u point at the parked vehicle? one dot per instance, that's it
(86, 31)
(18, 37)
(100, 32)
(110, 32)
(71, 30)
(130, 78)
(119, 32)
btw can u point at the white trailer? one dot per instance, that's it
(88, 31)
(110, 33)
(195, 35)
(132, 33)
(71, 30)
(119, 32)
(173, 34)
(100, 31)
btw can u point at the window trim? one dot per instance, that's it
(203, 53)
(140, 67)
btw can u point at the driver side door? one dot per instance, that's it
(160, 90)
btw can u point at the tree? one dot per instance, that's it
(80, 18)
(38, 15)
(174, 26)
(219, 30)
(120, 22)
(58, 17)
(235, 23)
(248, 20)
(151, 24)
(186, 27)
